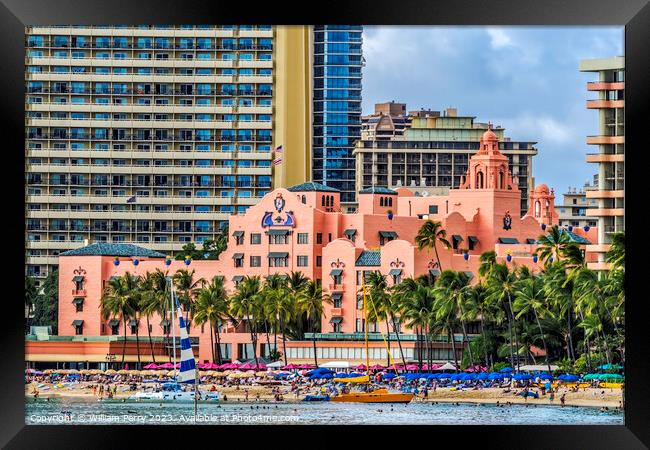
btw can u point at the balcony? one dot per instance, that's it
(605, 140)
(601, 86)
(336, 287)
(604, 104)
(605, 157)
(79, 293)
(337, 312)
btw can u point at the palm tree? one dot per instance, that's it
(161, 298)
(187, 288)
(400, 297)
(310, 302)
(477, 307)
(149, 304)
(212, 307)
(452, 292)
(559, 289)
(501, 289)
(280, 304)
(429, 235)
(416, 310)
(117, 302)
(380, 304)
(487, 261)
(552, 245)
(245, 306)
(616, 254)
(529, 296)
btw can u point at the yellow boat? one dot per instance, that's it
(376, 396)
(372, 396)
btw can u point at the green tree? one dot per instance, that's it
(501, 289)
(245, 306)
(529, 296)
(310, 302)
(31, 295)
(46, 304)
(213, 307)
(186, 287)
(117, 301)
(430, 233)
(552, 245)
(616, 254)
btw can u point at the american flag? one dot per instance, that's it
(277, 161)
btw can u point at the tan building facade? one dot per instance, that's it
(609, 149)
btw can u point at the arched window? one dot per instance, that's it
(322, 201)
(479, 180)
(304, 199)
(381, 201)
(537, 208)
(500, 180)
(390, 201)
(327, 201)
(331, 200)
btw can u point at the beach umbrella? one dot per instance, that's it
(522, 376)
(568, 377)
(166, 365)
(590, 376)
(110, 372)
(483, 376)
(506, 370)
(306, 366)
(377, 367)
(151, 366)
(122, 372)
(388, 376)
(610, 367)
(495, 376)
(610, 376)
(171, 373)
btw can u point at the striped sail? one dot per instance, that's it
(187, 372)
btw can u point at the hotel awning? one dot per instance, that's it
(164, 323)
(388, 234)
(114, 322)
(473, 239)
(238, 256)
(336, 272)
(531, 241)
(457, 237)
(77, 323)
(278, 254)
(507, 240)
(133, 323)
(336, 319)
(78, 300)
(395, 272)
(469, 275)
(277, 232)
(77, 278)
(237, 278)
(434, 272)
(238, 233)
(337, 296)
(350, 232)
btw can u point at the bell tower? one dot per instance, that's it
(488, 168)
(542, 205)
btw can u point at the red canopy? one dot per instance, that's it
(377, 367)
(361, 367)
(151, 366)
(412, 367)
(167, 365)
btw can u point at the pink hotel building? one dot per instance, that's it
(303, 229)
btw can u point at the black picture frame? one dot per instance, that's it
(16, 14)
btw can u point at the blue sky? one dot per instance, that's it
(525, 79)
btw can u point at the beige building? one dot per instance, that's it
(428, 151)
(155, 135)
(609, 149)
(573, 210)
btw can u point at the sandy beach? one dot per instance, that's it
(591, 397)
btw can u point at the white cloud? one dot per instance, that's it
(499, 38)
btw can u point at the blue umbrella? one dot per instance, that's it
(388, 376)
(505, 370)
(610, 367)
(523, 376)
(496, 376)
(483, 376)
(568, 377)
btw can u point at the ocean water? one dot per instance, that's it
(68, 412)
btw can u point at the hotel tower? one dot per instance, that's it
(609, 150)
(155, 135)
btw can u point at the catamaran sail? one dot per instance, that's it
(187, 372)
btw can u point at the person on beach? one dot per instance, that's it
(562, 399)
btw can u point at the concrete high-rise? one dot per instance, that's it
(151, 135)
(428, 151)
(610, 150)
